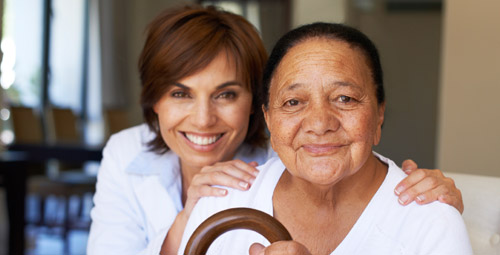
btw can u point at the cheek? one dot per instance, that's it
(361, 127)
(283, 131)
(168, 116)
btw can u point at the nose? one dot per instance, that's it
(320, 119)
(203, 114)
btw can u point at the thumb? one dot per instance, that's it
(256, 249)
(409, 165)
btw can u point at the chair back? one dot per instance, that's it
(116, 120)
(27, 125)
(65, 126)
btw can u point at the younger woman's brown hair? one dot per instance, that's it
(183, 41)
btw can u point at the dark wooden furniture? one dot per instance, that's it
(13, 175)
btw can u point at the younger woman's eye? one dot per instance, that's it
(179, 94)
(227, 95)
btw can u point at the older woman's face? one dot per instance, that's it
(323, 114)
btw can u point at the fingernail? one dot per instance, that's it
(223, 192)
(420, 198)
(399, 189)
(407, 171)
(244, 185)
(403, 199)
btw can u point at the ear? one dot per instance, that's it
(268, 124)
(380, 122)
(155, 108)
(266, 117)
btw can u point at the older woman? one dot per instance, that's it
(324, 108)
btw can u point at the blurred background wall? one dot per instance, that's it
(469, 107)
(441, 62)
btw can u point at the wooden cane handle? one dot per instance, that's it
(235, 218)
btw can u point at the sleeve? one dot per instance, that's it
(117, 225)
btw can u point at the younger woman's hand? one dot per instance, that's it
(427, 185)
(279, 248)
(234, 174)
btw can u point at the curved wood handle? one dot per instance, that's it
(235, 218)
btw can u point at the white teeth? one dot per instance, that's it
(202, 140)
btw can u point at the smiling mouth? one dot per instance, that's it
(203, 140)
(321, 149)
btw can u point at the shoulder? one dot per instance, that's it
(129, 141)
(131, 138)
(436, 224)
(389, 198)
(128, 150)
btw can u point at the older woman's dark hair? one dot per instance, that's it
(332, 31)
(183, 41)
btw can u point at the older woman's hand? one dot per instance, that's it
(427, 185)
(279, 248)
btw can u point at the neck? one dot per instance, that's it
(332, 209)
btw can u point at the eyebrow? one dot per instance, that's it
(223, 85)
(339, 83)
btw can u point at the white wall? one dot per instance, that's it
(469, 116)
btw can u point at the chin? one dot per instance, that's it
(322, 174)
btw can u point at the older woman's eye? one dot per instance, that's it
(292, 102)
(345, 99)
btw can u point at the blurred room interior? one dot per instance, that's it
(69, 80)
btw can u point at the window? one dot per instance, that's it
(53, 67)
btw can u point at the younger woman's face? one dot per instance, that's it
(204, 117)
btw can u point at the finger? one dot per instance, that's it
(412, 179)
(221, 178)
(443, 194)
(196, 192)
(426, 189)
(286, 247)
(236, 168)
(249, 168)
(254, 164)
(432, 195)
(256, 249)
(408, 166)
